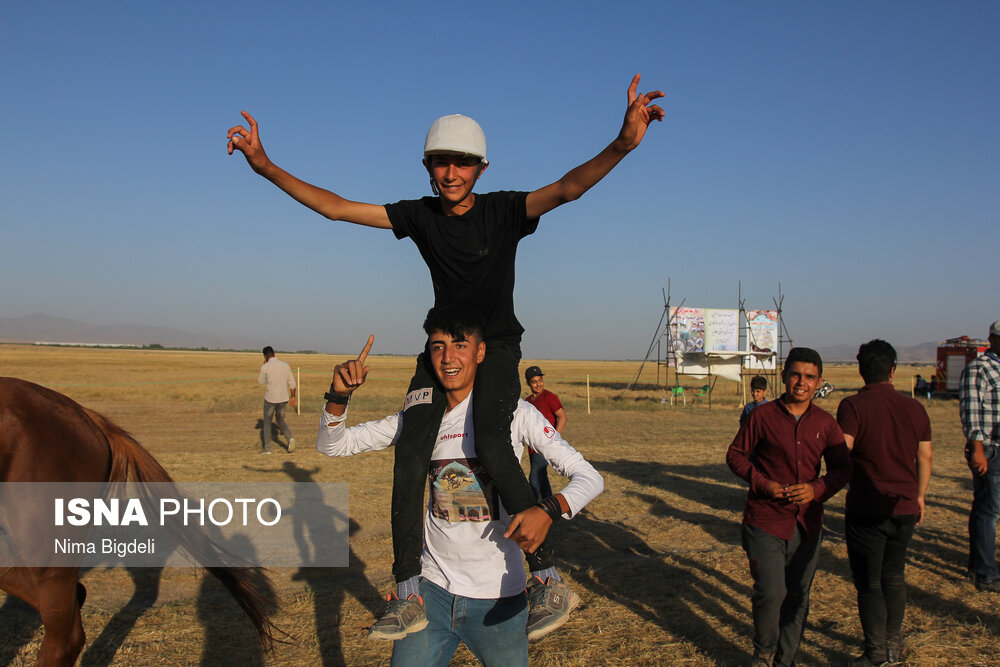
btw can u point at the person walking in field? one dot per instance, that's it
(889, 435)
(778, 451)
(552, 409)
(468, 242)
(472, 579)
(279, 393)
(979, 408)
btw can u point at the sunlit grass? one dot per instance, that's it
(656, 558)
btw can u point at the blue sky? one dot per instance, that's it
(847, 150)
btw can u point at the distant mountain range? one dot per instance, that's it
(42, 328)
(39, 327)
(925, 353)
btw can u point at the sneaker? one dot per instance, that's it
(400, 618)
(291, 445)
(990, 585)
(550, 603)
(265, 451)
(894, 655)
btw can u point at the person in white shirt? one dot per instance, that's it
(471, 556)
(280, 392)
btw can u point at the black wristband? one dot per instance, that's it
(336, 398)
(552, 507)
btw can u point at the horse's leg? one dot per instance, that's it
(59, 600)
(57, 596)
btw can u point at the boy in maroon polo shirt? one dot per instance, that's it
(889, 435)
(777, 451)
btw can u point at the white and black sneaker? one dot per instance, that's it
(550, 603)
(400, 618)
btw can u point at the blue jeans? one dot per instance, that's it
(493, 629)
(983, 519)
(538, 478)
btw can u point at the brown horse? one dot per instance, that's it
(47, 437)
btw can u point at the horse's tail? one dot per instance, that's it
(249, 586)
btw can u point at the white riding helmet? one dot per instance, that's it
(456, 134)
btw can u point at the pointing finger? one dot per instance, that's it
(364, 352)
(632, 88)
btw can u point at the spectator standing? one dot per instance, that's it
(758, 390)
(552, 409)
(979, 408)
(889, 435)
(778, 450)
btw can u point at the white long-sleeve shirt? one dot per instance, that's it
(465, 551)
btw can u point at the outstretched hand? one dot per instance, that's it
(350, 375)
(638, 115)
(248, 143)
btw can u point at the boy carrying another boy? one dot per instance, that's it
(471, 566)
(468, 242)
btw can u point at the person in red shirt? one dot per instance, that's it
(552, 409)
(778, 451)
(889, 435)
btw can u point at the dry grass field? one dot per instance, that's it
(656, 558)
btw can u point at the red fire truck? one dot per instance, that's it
(952, 356)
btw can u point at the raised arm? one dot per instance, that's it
(322, 201)
(638, 115)
(335, 440)
(348, 377)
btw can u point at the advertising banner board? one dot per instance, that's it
(762, 336)
(722, 330)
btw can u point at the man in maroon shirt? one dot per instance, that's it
(552, 409)
(889, 435)
(777, 451)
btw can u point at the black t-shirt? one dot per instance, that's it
(470, 256)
